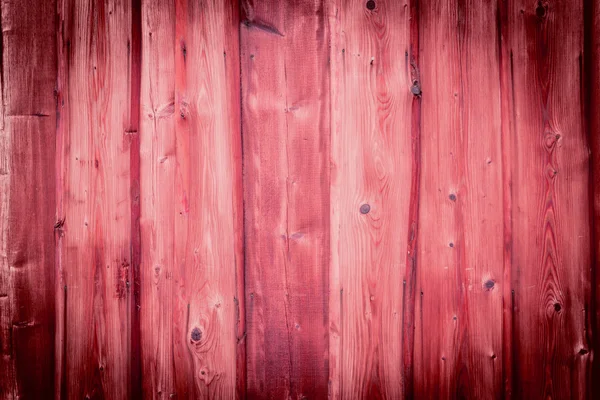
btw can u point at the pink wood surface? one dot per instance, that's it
(299, 199)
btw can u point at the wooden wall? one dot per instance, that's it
(300, 199)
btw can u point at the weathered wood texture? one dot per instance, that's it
(592, 116)
(458, 337)
(285, 125)
(93, 228)
(371, 175)
(550, 213)
(190, 184)
(342, 199)
(27, 200)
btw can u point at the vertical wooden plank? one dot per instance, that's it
(134, 178)
(592, 84)
(94, 207)
(458, 337)
(158, 200)
(371, 175)
(191, 214)
(551, 218)
(208, 186)
(410, 275)
(285, 125)
(27, 200)
(507, 126)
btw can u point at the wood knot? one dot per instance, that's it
(583, 352)
(415, 89)
(365, 208)
(541, 10)
(196, 334)
(452, 197)
(371, 5)
(489, 284)
(557, 307)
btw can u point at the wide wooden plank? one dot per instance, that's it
(94, 206)
(550, 217)
(27, 200)
(208, 224)
(285, 125)
(458, 337)
(371, 177)
(190, 183)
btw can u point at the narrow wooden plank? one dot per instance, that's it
(158, 200)
(371, 179)
(592, 84)
(94, 206)
(285, 125)
(191, 214)
(409, 288)
(507, 126)
(458, 337)
(27, 199)
(551, 218)
(134, 176)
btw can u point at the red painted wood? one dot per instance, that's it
(592, 82)
(458, 337)
(191, 215)
(27, 200)
(134, 174)
(285, 125)
(551, 229)
(409, 287)
(507, 126)
(371, 184)
(158, 200)
(94, 231)
(415, 213)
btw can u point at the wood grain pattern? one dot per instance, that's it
(342, 199)
(158, 201)
(458, 338)
(134, 178)
(551, 230)
(27, 201)
(507, 126)
(592, 100)
(94, 231)
(285, 125)
(370, 190)
(191, 199)
(208, 153)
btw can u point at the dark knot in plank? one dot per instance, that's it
(541, 10)
(365, 208)
(415, 89)
(196, 334)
